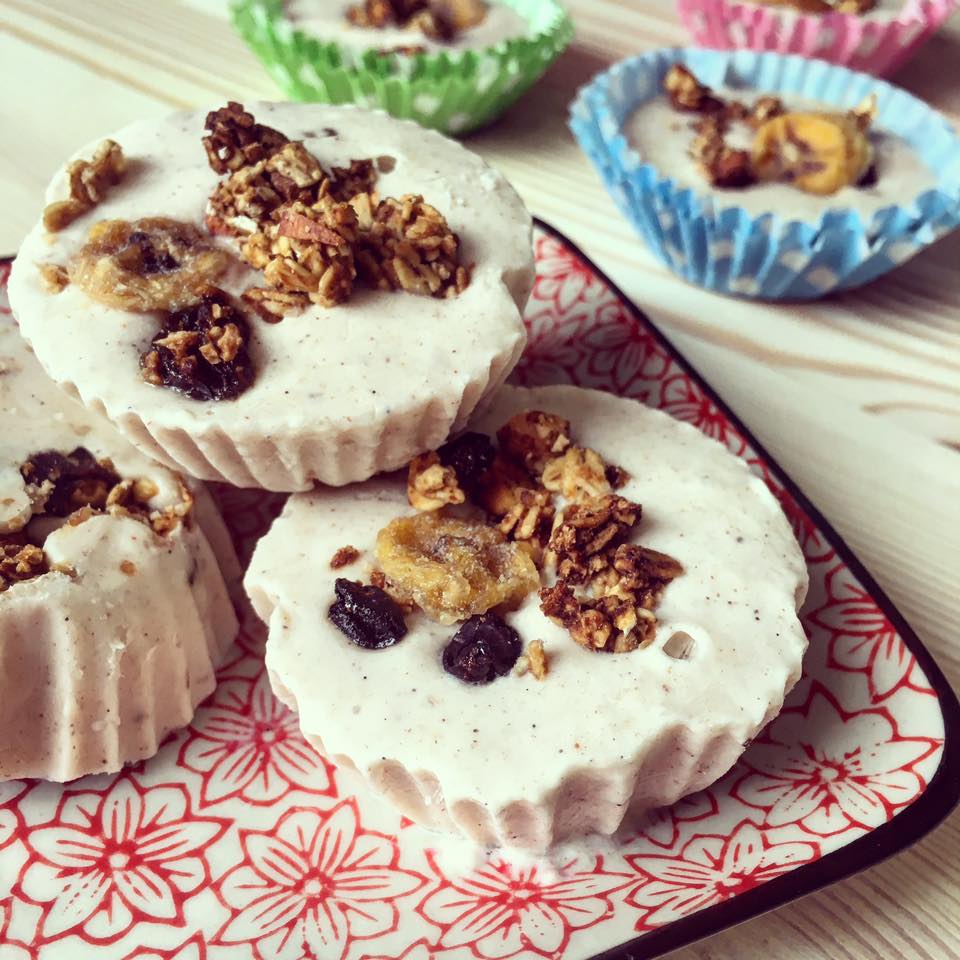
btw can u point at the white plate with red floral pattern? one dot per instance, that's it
(238, 842)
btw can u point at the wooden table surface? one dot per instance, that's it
(857, 397)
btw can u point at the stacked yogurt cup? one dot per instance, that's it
(326, 301)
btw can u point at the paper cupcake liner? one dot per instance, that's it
(768, 257)
(336, 455)
(877, 46)
(455, 92)
(87, 692)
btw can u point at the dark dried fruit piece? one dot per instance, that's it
(367, 615)
(484, 648)
(63, 483)
(201, 351)
(470, 455)
(234, 139)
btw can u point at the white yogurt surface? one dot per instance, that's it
(662, 137)
(326, 20)
(517, 739)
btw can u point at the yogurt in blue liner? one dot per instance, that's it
(771, 257)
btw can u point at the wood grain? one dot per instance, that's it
(858, 396)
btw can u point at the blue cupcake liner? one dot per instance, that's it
(770, 257)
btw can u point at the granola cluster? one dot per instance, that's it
(438, 20)
(89, 181)
(76, 486)
(818, 153)
(605, 587)
(19, 560)
(315, 232)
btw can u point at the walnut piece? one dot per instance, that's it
(344, 557)
(686, 92)
(234, 139)
(431, 485)
(150, 264)
(451, 568)
(439, 20)
(406, 244)
(533, 438)
(201, 351)
(55, 277)
(533, 660)
(499, 489)
(89, 181)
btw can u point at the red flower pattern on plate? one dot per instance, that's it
(117, 857)
(503, 910)
(863, 640)
(10, 821)
(828, 770)
(114, 859)
(193, 949)
(710, 869)
(314, 886)
(247, 744)
(685, 400)
(563, 279)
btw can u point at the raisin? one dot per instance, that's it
(484, 648)
(367, 615)
(470, 455)
(77, 480)
(201, 351)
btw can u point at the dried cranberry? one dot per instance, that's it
(201, 351)
(484, 648)
(470, 455)
(78, 479)
(367, 615)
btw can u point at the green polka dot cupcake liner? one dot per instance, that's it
(453, 91)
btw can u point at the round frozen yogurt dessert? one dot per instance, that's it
(299, 293)
(114, 609)
(795, 157)
(408, 26)
(579, 609)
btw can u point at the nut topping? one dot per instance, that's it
(430, 485)
(89, 181)
(686, 92)
(19, 560)
(234, 139)
(533, 438)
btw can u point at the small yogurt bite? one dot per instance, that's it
(579, 609)
(114, 610)
(767, 154)
(276, 297)
(865, 9)
(408, 26)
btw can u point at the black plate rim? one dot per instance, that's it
(907, 827)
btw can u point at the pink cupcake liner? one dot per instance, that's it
(877, 46)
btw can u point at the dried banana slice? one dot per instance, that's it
(452, 568)
(816, 152)
(151, 264)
